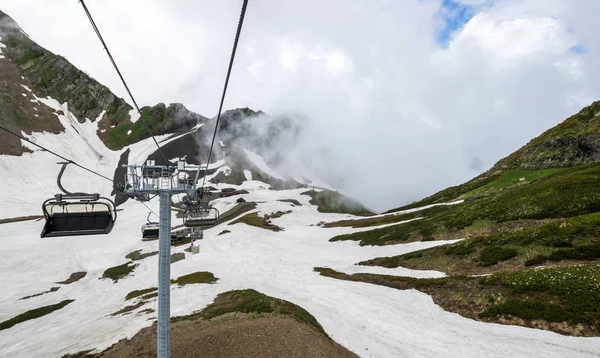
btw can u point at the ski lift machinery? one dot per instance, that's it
(70, 214)
(166, 183)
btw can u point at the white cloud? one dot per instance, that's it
(402, 115)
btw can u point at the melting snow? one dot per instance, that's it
(37, 171)
(370, 320)
(27, 88)
(261, 164)
(248, 174)
(134, 115)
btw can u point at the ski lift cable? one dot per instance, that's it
(235, 43)
(112, 60)
(66, 159)
(152, 211)
(53, 153)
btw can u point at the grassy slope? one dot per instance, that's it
(566, 193)
(253, 302)
(328, 201)
(571, 143)
(254, 220)
(194, 278)
(539, 206)
(559, 241)
(33, 314)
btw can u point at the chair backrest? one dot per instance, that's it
(68, 219)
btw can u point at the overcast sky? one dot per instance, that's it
(415, 95)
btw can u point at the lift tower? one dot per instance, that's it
(141, 183)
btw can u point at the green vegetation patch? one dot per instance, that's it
(118, 272)
(572, 292)
(565, 299)
(565, 193)
(576, 238)
(129, 308)
(137, 255)
(511, 178)
(53, 289)
(418, 230)
(328, 201)
(137, 293)
(252, 302)
(81, 354)
(196, 277)
(491, 255)
(254, 220)
(449, 194)
(75, 276)
(277, 214)
(237, 210)
(33, 314)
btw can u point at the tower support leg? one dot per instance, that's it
(164, 275)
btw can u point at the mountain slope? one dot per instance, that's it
(86, 293)
(573, 142)
(537, 207)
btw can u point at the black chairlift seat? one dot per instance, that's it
(78, 215)
(150, 231)
(201, 217)
(72, 214)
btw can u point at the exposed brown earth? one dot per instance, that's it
(234, 335)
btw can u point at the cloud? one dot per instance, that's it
(404, 112)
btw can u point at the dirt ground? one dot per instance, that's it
(234, 335)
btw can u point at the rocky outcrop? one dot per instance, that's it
(574, 141)
(54, 76)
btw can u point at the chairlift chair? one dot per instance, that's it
(150, 230)
(201, 216)
(71, 214)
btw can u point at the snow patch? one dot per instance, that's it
(37, 170)
(2, 46)
(27, 88)
(175, 160)
(221, 143)
(224, 169)
(425, 207)
(248, 174)
(129, 132)
(134, 115)
(374, 320)
(35, 114)
(261, 164)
